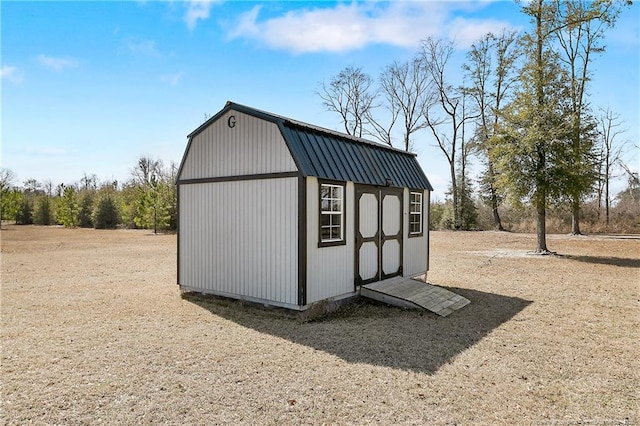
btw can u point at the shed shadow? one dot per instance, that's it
(367, 332)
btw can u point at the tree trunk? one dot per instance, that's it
(541, 224)
(575, 216)
(599, 197)
(606, 197)
(454, 190)
(497, 222)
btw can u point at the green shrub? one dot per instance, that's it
(25, 213)
(105, 213)
(68, 209)
(43, 211)
(85, 213)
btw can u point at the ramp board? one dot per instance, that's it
(409, 293)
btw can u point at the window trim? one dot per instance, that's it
(422, 197)
(343, 216)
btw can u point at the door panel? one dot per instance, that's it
(367, 256)
(368, 215)
(391, 213)
(390, 258)
(378, 229)
(391, 247)
(368, 261)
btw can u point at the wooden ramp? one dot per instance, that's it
(409, 293)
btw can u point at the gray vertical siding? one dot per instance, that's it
(329, 269)
(240, 238)
(416, 249)
(253, 146)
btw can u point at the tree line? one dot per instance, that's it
(522, 110)
(147, 200)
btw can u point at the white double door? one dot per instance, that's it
(378, 226)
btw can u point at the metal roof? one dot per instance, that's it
(328, 154)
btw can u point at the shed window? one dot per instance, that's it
(415, 213)
(331, 213)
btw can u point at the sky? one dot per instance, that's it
(89, 87)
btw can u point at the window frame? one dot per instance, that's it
(343, 187)
(411, 214)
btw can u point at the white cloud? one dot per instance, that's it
(141, 47)
(466, 31)
(172, 79)
(12, 74)
(45, 151)
(57, 64)
(197, 10)
(346, 27)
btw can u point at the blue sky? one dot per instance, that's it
(91, 86)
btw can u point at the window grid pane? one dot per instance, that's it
(331, 199)
(415, 213)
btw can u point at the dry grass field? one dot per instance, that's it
(94, 330)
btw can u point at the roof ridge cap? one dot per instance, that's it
(346, 136)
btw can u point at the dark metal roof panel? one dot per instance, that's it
(330, 156)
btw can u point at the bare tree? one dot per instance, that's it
(7, 176)
(610, 154)
(48, 187)
(89, 182)
(443, 113)
(32, 186)
(350, 94)
(405, 86)
(633, 178)
(148, 171)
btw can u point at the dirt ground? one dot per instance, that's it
(94, 330)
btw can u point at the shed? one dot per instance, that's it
(285, 213)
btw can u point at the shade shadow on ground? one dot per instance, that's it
(376, 334)
(603, 260)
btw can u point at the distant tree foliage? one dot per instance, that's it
(43, 213)
(155, 195)
(491, 71)
(105, 213)
(11, 204)
(147, 200)
(68, 210)
(9, 200)
(85, 208)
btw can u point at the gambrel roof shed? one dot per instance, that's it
(286, 213)
(328, 154)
